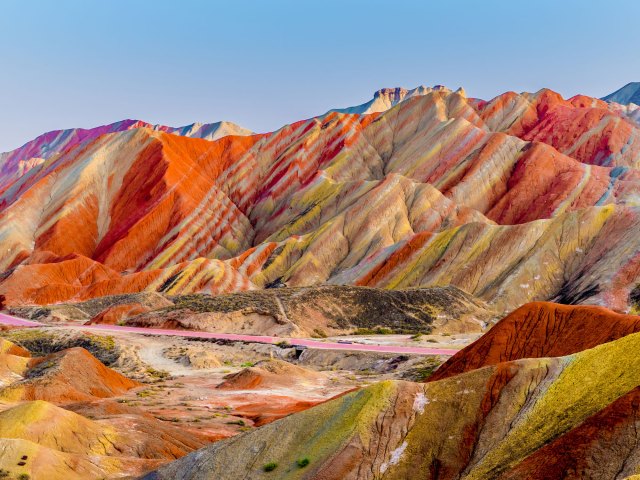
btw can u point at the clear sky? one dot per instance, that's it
(265, 63)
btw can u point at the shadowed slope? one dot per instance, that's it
(630, 93)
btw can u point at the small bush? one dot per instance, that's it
(318, 333)
(270, 467)
(237, 422)
(3, 473)
(247, 364)
(283, 344)
(23, 476)
(373, 331)
(145, 393)
(157, 374)
(303, 462)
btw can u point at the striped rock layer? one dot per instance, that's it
(525, 197)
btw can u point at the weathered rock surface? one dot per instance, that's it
(67, 376)
(91, 437)
(271, 374)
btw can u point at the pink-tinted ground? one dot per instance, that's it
(18, 322)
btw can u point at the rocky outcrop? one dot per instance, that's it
(67, 376)
(271, 374)
(325, 310)
(386, 98)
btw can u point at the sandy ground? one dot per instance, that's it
(449, 341)
(181, 375)
(184, 394)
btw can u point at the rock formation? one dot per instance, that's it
(512, 200)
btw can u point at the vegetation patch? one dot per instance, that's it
(423, 371)
(379, 330)
(344, 307)
(41, 343)
(270, 467)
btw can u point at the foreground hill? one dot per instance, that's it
(512, 200)
(40, 439)
(538, 330)
(510, 420)
(67, 376)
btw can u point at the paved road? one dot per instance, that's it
(19, 322)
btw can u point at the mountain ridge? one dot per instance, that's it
(630, 93)
(380, 198)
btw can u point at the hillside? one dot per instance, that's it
(42, 436)
(416, 195)
(511, 420)
(538, 330)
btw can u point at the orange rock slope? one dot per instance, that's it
(537, 330)
(513, 200)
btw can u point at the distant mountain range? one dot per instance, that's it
(630, 93)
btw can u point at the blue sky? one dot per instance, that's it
(263, 64)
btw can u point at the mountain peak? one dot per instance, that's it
(630, 93)
(386, 98)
